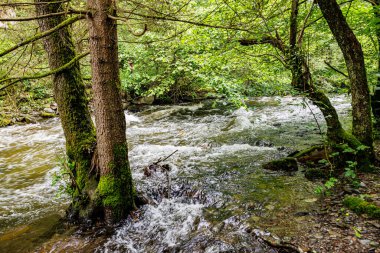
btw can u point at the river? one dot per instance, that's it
(221, 200)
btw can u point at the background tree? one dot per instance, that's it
(353, 55)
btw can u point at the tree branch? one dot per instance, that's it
(336, 70)
(264, 40)
(27, 4)
(302, 32)
(34, 18)
(173, 19)
(43, 34)
(42, 75)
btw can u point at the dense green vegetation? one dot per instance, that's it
(176, 61)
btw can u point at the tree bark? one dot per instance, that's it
(115, 188)
(70, 95)
(353, 55)
(294, 54)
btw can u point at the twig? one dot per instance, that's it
(320, 131)
(161, 160)
(41, 75)
(43, 34)
(336, 70)
(169, 182)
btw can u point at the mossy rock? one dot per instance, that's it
(288, 164)
(5, 121)
(47, 115)
(361, 206)
(317, 173)
(310, 155)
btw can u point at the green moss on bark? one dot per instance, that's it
(109, 189)
(4, 121)
(116, 191)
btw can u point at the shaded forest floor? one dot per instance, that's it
(335, 228)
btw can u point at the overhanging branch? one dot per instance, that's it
(336, 70)
(35, 17)
(43, 34)
(14, 80)
(32, 3)
(173, 19)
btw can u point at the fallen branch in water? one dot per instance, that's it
(166, 158)
(165, 168)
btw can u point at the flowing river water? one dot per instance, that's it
(220, 199)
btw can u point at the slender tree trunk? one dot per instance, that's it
(115, 187)
(375, 101)
(353, 55)
(294, 58)
(70, 95)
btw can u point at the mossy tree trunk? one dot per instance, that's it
(70, 95)
(302, 80)
(353, 55)
(115, 189)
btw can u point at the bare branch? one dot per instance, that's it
(173, 19)
(33, 18)
(130, 29)
(336, 70)
(41, 75)
(14, 64)
(43, 34)
(302, 32)
(31, 3)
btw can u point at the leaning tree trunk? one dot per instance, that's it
(336, 135)
(302, 81)
(70, 95)
(353, 55)
(115, 189)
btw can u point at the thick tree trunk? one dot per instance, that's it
(115, 187)
(353, 55)
(70, 95)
